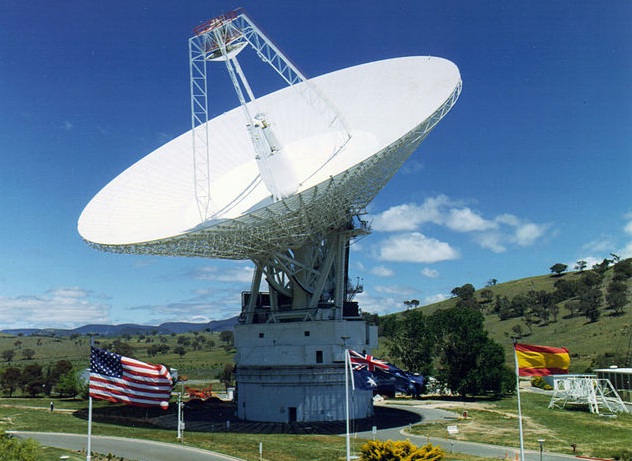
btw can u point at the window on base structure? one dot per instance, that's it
(261, 335)
(306, 333)
(319, 356)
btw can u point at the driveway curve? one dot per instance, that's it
(133, 449)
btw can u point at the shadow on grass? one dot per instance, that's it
(214, 415)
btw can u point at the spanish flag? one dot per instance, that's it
(541, 360)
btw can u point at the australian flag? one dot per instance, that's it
(370, 373)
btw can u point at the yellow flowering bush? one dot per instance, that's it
(400, 450)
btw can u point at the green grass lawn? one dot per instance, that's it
(23, 414)
(497, 423)
(492, 422)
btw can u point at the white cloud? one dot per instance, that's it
(382, 271)
(492, 241)
(203, 306)
(410, 216)
(467, 220)
(381, 305)
(435, 299)
(415, 247)
(494, 234)
(395, 290)
(64, 307)
(430, 273)
(526, 234)
(238, 274)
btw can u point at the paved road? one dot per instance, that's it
(457, 446)
(135, 449)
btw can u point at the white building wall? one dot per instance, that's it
(295, 371)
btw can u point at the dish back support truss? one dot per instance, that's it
(589, 391)
(221, 39)
(311, 280)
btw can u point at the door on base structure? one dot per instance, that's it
(291, 414)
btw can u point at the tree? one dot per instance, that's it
(180, 350)
(517, 330)
(10, 380)
(28, 353)
(8, 355)
(589, 304)
(54, 374)
(465, 292)
(462, 344)
(558, 268)
(227, 375)
(413, 303)
(411, 343)
(617, 296)
(68, 384)
(602, 267)
(623, 270)
(227, 337)
(573, 307)
(122, 348)
(32, 380)
(487, 294)
(581, 265)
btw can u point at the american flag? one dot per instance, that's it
(117, 378)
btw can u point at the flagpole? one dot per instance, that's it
(519, 405)
(89, 447)
(347, 365)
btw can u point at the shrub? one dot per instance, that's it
(12, 449)
(401, 450)
(540, 383)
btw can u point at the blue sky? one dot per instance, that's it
(532, 167)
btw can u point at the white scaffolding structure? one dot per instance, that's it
(588, 391)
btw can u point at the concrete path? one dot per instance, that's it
(429, 414)
(132, 449)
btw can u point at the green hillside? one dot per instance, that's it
(604, 342)
(204, 353)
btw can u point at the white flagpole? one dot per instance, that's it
(519, 406)
(89, 449)
(347, 366)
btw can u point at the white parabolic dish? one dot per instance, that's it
(388, 107)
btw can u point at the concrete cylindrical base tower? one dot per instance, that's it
(295, 371)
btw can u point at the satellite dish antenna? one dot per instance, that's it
(282, 180)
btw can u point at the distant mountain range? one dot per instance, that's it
(129, 328)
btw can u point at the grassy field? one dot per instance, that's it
(492, 422)
(205, 363)
(34, 415)
(496, 422)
